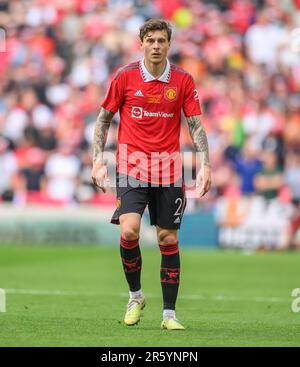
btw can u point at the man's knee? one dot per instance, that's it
(166, 236)
(168, 243)
(129, 233)
(130, 226)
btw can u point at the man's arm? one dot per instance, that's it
(100, 135)
(99, 171)
(199, 138)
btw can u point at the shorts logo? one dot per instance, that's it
(170, 93)
(118, 203)
(137, 112)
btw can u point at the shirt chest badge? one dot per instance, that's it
(170, 93)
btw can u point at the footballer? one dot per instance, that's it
(150, 95)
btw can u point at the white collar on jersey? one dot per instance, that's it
(147, 77)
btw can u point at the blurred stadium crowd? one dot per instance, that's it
(60, 56)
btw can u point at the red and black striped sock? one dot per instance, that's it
(132, 263)
(169, 274)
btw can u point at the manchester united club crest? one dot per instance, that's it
(170, 94)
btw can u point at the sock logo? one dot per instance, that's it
(132, 265)
(170, 276)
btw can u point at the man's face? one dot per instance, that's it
(155, 46)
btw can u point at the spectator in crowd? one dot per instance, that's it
(8, 169)
(247, 166)
(269, 180)
(291, 238)
(62, 170)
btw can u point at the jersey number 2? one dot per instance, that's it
(180, 207)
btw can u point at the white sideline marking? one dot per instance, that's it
(44, 292)
(221, 298)
(2, 300)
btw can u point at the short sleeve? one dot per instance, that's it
(191, 104)
(114, 96)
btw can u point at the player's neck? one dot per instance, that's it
(156, 70)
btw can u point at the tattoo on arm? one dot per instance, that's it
(100, 135)
(199, 137)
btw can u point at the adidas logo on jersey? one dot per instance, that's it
(139, 93)
(177, 220)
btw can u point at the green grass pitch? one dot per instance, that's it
(76, 296)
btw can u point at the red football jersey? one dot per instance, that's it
(150, 114)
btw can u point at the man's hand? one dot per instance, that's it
(100, 176)
(204, 179)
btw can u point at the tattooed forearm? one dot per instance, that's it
(199, 137)
(100, 135)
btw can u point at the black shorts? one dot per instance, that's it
(166, 204)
